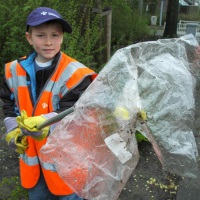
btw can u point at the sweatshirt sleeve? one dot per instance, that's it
(7, 97)
(72, 97)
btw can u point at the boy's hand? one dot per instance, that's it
(29, 124)
(17, 141)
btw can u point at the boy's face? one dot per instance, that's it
(46, 40)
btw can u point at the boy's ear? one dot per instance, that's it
(28, 37)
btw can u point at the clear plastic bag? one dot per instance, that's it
(94, 149)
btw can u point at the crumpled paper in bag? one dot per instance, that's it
(94, 149)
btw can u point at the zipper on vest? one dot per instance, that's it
(28, 82)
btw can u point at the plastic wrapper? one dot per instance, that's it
(94, 149)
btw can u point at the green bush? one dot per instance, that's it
(82, 44)
(128, 26)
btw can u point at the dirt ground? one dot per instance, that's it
(148, 181)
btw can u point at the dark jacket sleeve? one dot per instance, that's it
(70, 98)
(9, 108)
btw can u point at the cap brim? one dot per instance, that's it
(65, 25)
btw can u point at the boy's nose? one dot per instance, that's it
(48, 41)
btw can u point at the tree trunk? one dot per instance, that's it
(171, 19)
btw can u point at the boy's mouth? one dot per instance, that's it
(48, 50)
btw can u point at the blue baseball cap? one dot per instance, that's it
(43, 14)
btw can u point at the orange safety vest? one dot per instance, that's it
(67, 75)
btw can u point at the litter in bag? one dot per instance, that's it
(94, 149)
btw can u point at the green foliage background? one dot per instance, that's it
(128, 25)
(13, 26)
(84, 43)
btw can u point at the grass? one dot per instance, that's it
(10, 189)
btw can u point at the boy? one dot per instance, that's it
(37, 87)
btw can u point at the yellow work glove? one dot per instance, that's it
(28, 126)
(17, 141)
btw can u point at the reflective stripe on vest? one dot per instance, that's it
(70, 74)
(31, 161)
(16, 80)
(11, 77)
(66, 76)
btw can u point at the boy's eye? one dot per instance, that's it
(39, 35)
(55, 35)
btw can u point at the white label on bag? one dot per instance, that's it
(118, 146)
